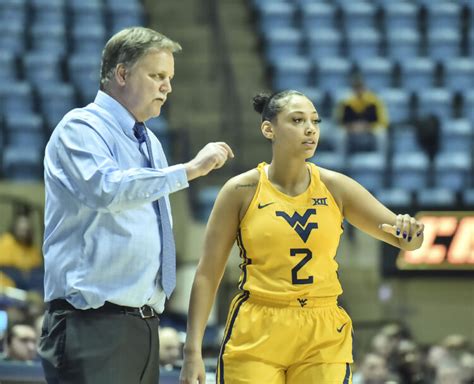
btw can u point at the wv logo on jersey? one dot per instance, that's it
(302, 302)
(300, 223)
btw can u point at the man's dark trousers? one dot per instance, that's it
(96, 347)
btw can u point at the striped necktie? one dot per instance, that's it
(168, 248)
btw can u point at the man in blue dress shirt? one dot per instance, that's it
(108, 246)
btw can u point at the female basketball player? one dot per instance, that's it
(285, 326)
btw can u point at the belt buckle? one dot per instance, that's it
(143, 315)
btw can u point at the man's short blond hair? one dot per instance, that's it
(128, 46)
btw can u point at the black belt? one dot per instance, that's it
(144, 312)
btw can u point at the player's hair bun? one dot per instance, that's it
(259, 101)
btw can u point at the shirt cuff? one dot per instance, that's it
(177, 178)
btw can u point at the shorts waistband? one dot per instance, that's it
(144, 312)
(299, 302)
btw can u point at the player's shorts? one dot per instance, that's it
(300, 341)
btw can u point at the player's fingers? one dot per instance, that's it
(420, 227)
(398, 225)
(412, 231)
(405, 226)
(397, 229)
(389, 229)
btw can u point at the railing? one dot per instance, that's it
(229, 98)
(229, 102)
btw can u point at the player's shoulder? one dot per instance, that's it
(336, 182)
(329, 176)
(249, 178)
(342, 187)
(242, 185)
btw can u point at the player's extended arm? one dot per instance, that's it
(365, 212)
(220, 235)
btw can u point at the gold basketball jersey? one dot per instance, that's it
(288, 244)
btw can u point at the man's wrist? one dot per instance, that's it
(191, 170)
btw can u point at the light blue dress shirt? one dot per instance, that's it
(102, 237)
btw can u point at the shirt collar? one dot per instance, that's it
(123, 117)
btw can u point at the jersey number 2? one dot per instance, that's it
(294, 271)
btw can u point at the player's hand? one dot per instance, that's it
(193, 370)
(406, 228)
(212, 156)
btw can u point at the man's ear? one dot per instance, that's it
(120, 74)
(267, 130)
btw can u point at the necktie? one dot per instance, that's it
(168, 249)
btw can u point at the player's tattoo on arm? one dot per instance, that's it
(245, 185)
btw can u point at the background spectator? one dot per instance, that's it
(170, 348)
(362, 113)
(428, 130)
(20, 343)
(20, 258)
(373, 370)
(410, 363)
(363, 110)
